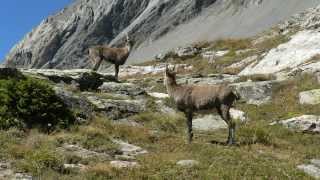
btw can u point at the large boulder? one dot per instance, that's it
(256, 93)
(79, 104)
(310, 97)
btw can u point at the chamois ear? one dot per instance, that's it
(127, 37)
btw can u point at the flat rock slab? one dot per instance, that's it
(117, 109)
(310, 97)
(305, 123)
(121, 88)
(127, 71)
(82, 152)
(124, 164)
(129, 149)
(188, 163)
(312, 169)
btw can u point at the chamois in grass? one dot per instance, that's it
(192, 98)
(115, 56)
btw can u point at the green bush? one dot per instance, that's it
(31, 103)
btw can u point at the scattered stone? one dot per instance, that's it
(158, 95)
(117, 109)
(7, 173)
(129, 149)
(121, 88)
(82, 152)
(310, 97)
(76, 167)
(124, 164)
(212, 55)
(238, 115)
(188, 163)
(305, 123)
(127, 122)
(186, 51)
(312, 169)
(208, 123)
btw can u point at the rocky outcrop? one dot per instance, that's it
(117, 109)
(79, 104)
(82, 79)
(305, 123)
(61, 40)
(302, 47)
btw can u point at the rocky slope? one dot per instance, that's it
(61, 40)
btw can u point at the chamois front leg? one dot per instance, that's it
(225, 114)
(189, 115)
(116, 70)
(98, 61)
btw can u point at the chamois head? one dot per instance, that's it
(170, 76)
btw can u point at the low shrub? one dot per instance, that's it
(29, 103)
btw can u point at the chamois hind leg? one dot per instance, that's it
(189, 115)
(225, 114)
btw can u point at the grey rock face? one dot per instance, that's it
(61, 40)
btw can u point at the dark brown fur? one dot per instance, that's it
(116, 56)
(191, 98)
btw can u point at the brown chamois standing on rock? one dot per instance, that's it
(116, 56)
(192, 98)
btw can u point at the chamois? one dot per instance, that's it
(116, 56)
(192, 98)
